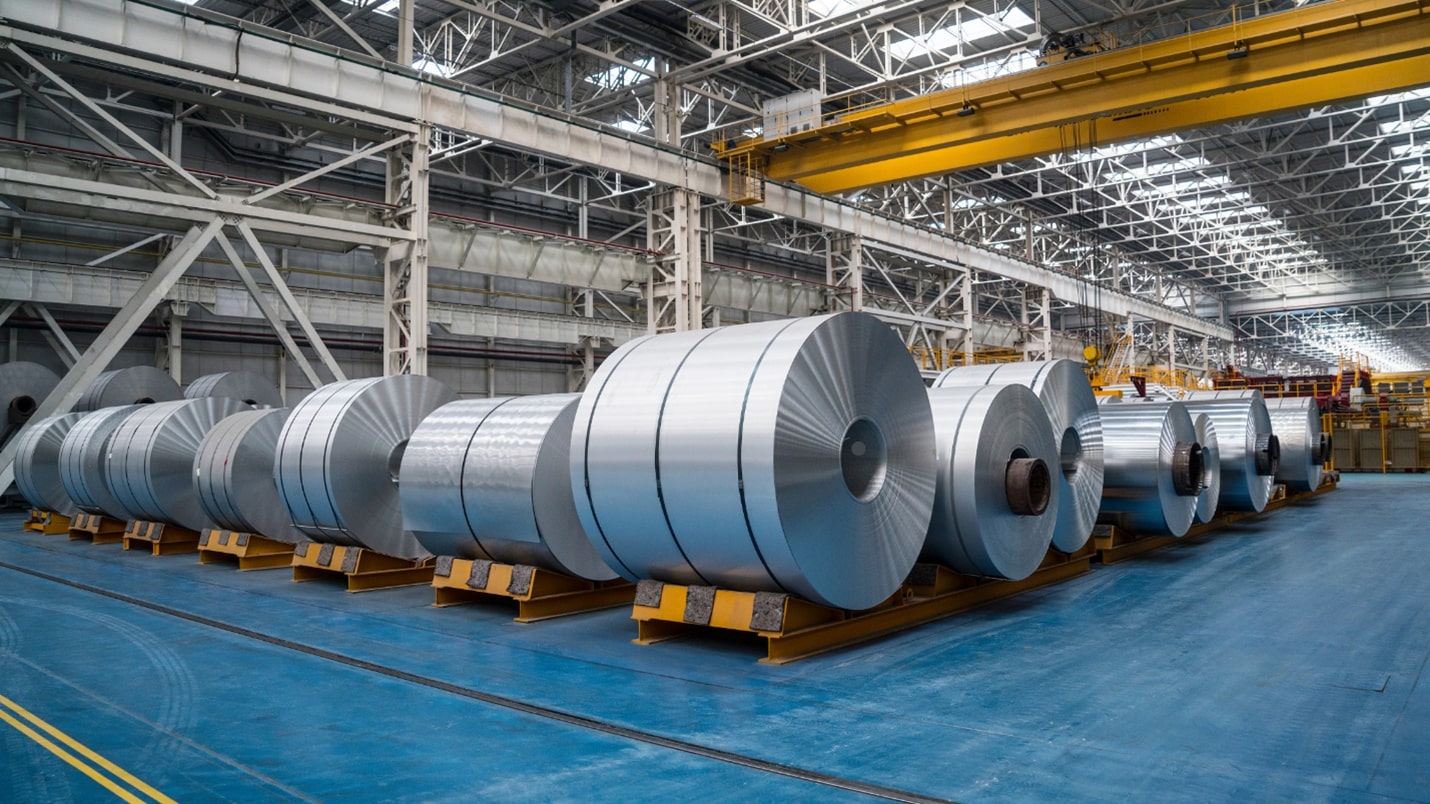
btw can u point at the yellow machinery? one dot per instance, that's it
(1310, 56)
(1386, 431)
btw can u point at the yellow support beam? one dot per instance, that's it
(1324, 53)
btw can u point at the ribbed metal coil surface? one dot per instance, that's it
(245, 386)
(791, 455)
(1141, 442)
(136, 385)
(1210, 497)
(83, 458)
(1296, 421)
(980, 431)
(1248, 458)
(340, 455)
(37, 464)
(1066, 394)
(233, 475)
(491, 478)
(150, 465)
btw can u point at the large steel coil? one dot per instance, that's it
(340, 454)
(136, 385)
(150, 466)
(1066, 394)
(1210, 497)
(1250, 451)
(37, 464)
(245, 386)
(1152, 467)
(1296, 421)
(491, 478)
(23, 386)
(83, 457)
(233, 475)
(995, 506)
(782, 456)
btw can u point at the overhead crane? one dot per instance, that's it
(1324, 53)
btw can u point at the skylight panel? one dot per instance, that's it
(1125, 148)
(993, 68)
(828, 8)
(620, 76)
(951, 36)
(1422, 93)
(432, 67)
(632, 126)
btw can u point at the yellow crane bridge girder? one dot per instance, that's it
(1324, 53)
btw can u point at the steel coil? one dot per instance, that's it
(233, 475)
(340, 455)
(245, 386)
(1066, 394)
(82, 461)
(150, 465)
(37, 464)
(1210, 496)
(1249, 450)
(1152, 467)
(491, 478)
(781, 456)
(995, 505)
(23, 386)
(136, 385)
(1296, 421)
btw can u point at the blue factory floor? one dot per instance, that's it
(1281, 659)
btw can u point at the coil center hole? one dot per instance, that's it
(23, 405)
(863, 459)
(1027, 484)
(1070, 454)
(394, 460)
(144, 400)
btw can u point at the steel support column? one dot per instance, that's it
(1036, 315)
(844, 272)
(405, 276)
(674, 300)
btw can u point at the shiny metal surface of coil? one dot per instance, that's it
(251, 389)
(989, 519)
(233, 475)
(83, 458)
(136, 385)
(491, 478)
(1296, 421)
(1246, 443)
(23, 386)
(1066, 394)
(1146, 446)
(791, 455)
(339, 459)
(37, 464)
(150, 461)
(1210, 497)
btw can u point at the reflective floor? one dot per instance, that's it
(1280, 659)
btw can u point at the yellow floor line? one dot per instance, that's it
(84, 751)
